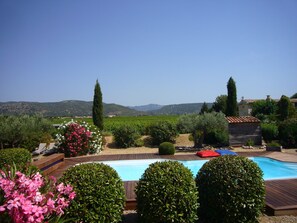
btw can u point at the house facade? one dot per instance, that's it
(245, 105)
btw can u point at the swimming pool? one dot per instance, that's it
(272, 169)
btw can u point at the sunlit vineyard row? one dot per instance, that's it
(111, 123)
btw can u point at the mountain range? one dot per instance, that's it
(71, 108)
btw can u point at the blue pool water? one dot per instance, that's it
(272, 169)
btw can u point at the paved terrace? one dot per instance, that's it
(281, 195)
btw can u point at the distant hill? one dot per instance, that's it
(145, 108)
(178, 109)
(72, 108)
(63, 108)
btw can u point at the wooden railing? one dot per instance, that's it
(50, 163)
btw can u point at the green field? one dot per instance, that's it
(140, 122)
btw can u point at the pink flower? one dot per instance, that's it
(13, 203)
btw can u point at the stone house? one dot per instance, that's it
(242, 129)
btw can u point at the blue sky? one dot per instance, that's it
(141, 52)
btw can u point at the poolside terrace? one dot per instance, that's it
(281, 195)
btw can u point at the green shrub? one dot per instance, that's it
(231, 189)
(217, 138)
(269, 131)
(166, 192)
(210, 128)
(162, 131)
(23, 131)
(18, 156)
(126, 136)
(274, 144)
(166, 148)
(288, 133)
(250, 142)
(100, 195)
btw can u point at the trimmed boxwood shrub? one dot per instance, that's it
(166, 148)
(126, 136)
(100, 195)
(231, 189)
(18, 156)
(162, 131)
(288, 133)
(167, 192)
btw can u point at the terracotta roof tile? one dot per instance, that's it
(242, 119)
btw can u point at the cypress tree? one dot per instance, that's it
(285, 108)
(97, 111)
(232, 108)
(204, 109)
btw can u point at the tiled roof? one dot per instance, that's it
(242, 119)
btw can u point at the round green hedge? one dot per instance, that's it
(166, 148)
(231, 189)
(167, 192)
(18, 156)
(100, 194)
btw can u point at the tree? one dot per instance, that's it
(285, 109)
(294, 96)
(264, 109)
(97, 111)
(232, 108)
(204, 109)
(220, 105)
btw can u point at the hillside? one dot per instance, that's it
(84, 108)
(178, 109)
(63, 108)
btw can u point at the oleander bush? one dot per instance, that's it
(126, 136)
(288, 133)
(17, 156)
(76, 139)
(100, 195)
(231, 189)
(167, 192)
(162, 131)
(166, 148)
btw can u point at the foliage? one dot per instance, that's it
(274, 144)
(232, 108)
(264, 109)
(166, 148)
(166, 192)
(76, 139)
(23, 131)
(204, 109)
(207, 128)
(162, 131)
(32, 198)
(186, 123)
(18, 156)
(126, 136)
(100, 195)
(250, 142)
(269, 131)
(231, 189)
(141, 123)
(97, 110)
(294, 96)
(288, 133)
(220, 104)
(285, 109)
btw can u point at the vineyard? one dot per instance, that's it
(111, 123)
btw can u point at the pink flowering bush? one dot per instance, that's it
(32, 198)
(77, 139)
